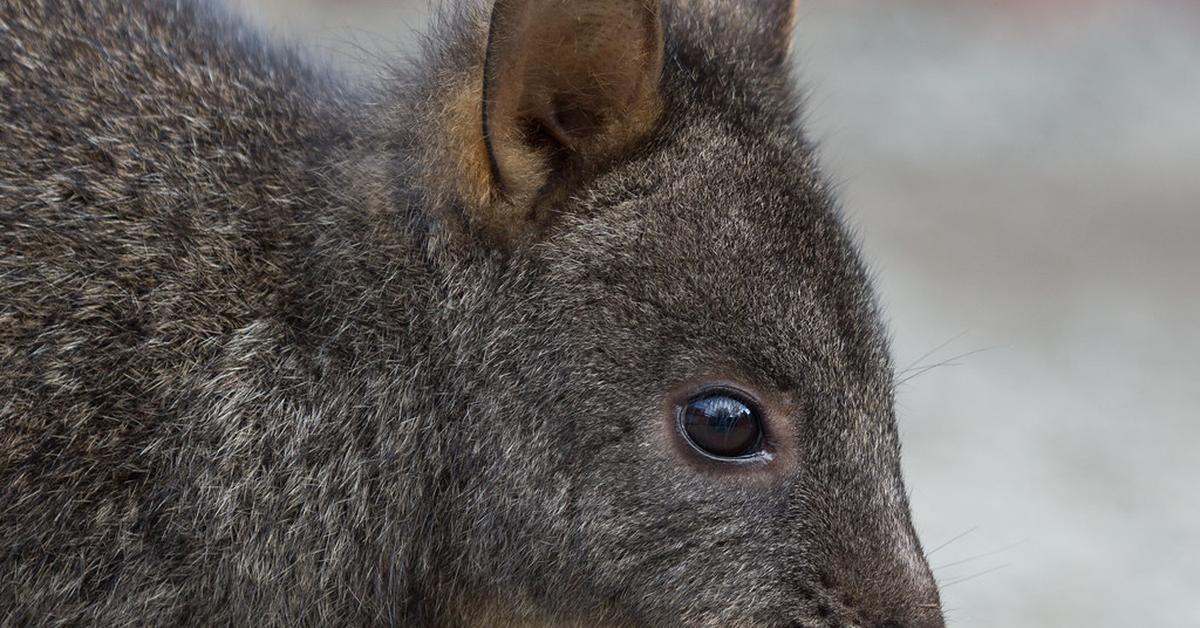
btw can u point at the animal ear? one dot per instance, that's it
(568, 85)
(778, 26)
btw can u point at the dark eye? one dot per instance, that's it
(722, 425)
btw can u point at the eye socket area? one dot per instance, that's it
(723, 424)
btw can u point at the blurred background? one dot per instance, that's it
(1024, 176)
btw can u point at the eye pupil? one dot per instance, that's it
(723, 426)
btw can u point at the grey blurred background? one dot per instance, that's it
(1025, 180)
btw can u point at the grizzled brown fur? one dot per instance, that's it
(276, 352)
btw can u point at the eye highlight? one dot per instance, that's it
(721, 424)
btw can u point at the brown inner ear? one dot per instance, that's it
(568, 84)
(786, 26)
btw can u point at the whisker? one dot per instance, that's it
(952, 361)
(943, 587)
(953, 539)
(932, 351)
(978, 556)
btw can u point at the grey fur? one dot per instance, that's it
(255, 368)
